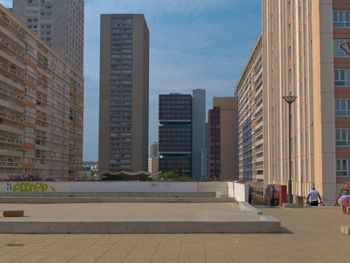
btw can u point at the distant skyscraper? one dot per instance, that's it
(59, 23)
(198, 131)
(182, 134)
(223, 152)
(175, 133)
(153, 159)
(154, 150)
(124, 93)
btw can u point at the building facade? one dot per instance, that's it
(153, 159)
(175, 134)
(124, 93)
(222, 128)
(198, 133)
(250, 117)
(60, 24)
(153, 166)
(41, 107)
(302, 56)
(154, 150)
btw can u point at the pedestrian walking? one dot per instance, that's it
(314, 195)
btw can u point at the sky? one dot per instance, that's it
(194, 44)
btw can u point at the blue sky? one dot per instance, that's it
(193, 44)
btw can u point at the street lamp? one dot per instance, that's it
(290, 99)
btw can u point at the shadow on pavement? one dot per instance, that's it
(285, 230)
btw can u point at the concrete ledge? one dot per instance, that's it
(345, 230)
(265, 225)
(110, 194)
(66, 200)
(288, 205)
(247, 207)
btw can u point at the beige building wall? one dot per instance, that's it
(124, 93)
(298, 60)
(41, 108)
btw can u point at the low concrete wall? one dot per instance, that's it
(225, 188)
(221, 187)
(241, 192)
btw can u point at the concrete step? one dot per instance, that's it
(64, 200)
(130, 218)
(260, 225)
(110, 194)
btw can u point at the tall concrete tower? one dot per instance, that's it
(198, 131)
(124, 93)
(59, 23)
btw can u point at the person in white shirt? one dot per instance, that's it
(314, 195)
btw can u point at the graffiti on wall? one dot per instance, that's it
(30, 187)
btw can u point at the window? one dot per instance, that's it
(29, 130)
(30, 119)
(342, 137)
(341, 19)
(338, 51)
(342, 77)
(342, 107)
(343, 168)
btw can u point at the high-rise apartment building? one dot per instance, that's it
(124, 93)
(249, 90)
(175, 133)
(303, 56)
(58, 23)
(41, 107)
(222, 127)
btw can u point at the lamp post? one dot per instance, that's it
(290, 99)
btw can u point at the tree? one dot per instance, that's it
(173, 176)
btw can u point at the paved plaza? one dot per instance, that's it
(309, 235)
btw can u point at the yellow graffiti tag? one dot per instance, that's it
(31, 187)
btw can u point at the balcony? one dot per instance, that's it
(8, 140)
(7, 164)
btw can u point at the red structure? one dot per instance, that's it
(276, 195)
(282, 190)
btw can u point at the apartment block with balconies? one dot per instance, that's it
(60, 24)
(41, 107)
(303, 55)
(250, 118)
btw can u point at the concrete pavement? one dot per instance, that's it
(310, 235)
